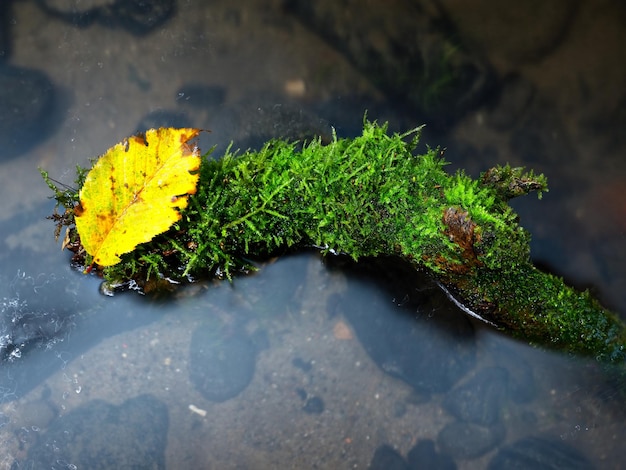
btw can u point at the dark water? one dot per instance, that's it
(308, 363)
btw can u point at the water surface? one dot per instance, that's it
(309, 363)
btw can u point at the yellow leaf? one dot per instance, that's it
(136, 191)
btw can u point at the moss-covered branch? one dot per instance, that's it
(372, 196)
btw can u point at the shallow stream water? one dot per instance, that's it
(310, 362)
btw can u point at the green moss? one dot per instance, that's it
(372, 196)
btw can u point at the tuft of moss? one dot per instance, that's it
(370, 196)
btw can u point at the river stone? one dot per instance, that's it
(27, 105)
(535, 453)
(313, 406)
(480, 399)
(99, 435)
(387, 458)
(222, 363)
(469, 440)
(521, 386)
(424, 456)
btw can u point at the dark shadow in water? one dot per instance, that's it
(406, 324)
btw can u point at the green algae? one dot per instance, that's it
(371, 196)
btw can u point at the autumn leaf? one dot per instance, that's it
(136, 191)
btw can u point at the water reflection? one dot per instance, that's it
(263, 363)
(47, 321)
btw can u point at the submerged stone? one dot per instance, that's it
(221, 364)
(387, 458)
(314, 406)
(480, 399)
(27, 109)
(469, 440)
(99, 435)
(424, 456)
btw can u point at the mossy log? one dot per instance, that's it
(371, 196)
